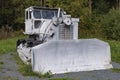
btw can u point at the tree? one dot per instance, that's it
(111, 24)
(100, 6)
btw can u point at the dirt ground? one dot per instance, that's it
(9, 71)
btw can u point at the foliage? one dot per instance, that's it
(7, 32)
(94, 20)
(90, 27)
(76, 8)
(12, 14)
(101, 6)
(111, 24)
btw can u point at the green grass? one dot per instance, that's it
(116, 70)
(26, 70)
(9, 45)
(115, 50)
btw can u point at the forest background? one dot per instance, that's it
(98, 18)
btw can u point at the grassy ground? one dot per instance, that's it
(9, 45)
(115, 50)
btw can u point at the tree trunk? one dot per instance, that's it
(90, 7)
(118, 4)
(43, 3)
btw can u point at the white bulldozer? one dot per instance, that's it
(53, 44)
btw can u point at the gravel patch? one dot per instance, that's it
(9, 69)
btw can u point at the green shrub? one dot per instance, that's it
(111, 25)
(89, 27)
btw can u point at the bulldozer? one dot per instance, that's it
(53, 44)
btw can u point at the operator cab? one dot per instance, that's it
(35, 15)
(42, 13)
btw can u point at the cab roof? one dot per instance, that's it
(43, 8)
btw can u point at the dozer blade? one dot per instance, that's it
(71, 56)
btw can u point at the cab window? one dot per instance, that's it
(26, 14)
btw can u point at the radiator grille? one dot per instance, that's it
(65, 32)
